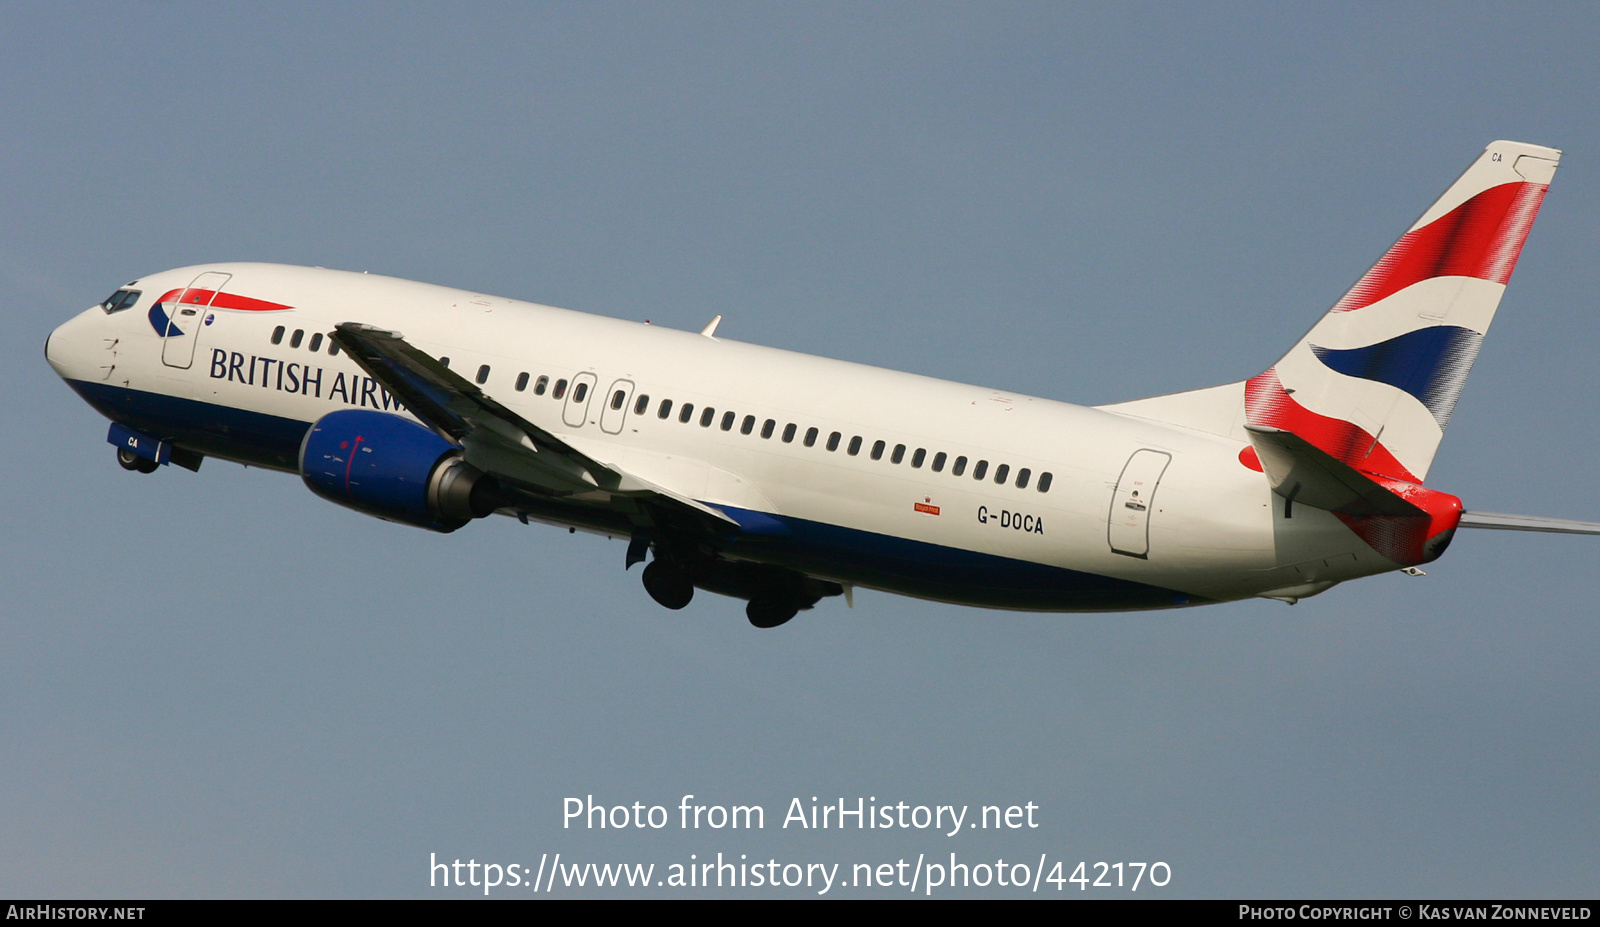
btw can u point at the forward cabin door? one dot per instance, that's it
(1134, 500)
(186, 316)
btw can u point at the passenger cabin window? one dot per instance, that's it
(855, 445)
(1044, 481)
(618, 398)
(522, 381)
(483, 374)
(916, 459)
(877, 450)
(1022, 478)
(938, 462)
(766, 428)
(277, 335)
(706, 416)
(833, 441)
(748, 425)
(560, 390)
(663, 412)
(444, 361)
(333, 347)
(540, 385)
(960, 467)
(980, 469)
(643, 403)
(727, 421)
(579, 391)
(123, 299)
(294, 339)
(316, 342)
(788, 432)
(686, 413)
(899, 453)
(1001, 472)
(811, 437)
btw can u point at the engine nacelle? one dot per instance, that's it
(395, 469)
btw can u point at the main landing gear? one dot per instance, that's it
(774, 595)
(769, 611)
(131, 461)
(669, 586)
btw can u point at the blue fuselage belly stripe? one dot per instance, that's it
(865, 558)
(215, 430)
(934, 571)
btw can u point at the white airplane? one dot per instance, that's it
(783, 478)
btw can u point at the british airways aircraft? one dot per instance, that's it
(782, 478)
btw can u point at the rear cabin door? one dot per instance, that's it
(186, 316)
(1133, 502)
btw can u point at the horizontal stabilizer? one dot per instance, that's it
(1501, 522)
(1301, 472)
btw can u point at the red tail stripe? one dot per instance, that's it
(1480, 238)
(1266, 403)
(1404, 539)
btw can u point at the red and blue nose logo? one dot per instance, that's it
(167, 328)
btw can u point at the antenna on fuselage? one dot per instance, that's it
(710, 331)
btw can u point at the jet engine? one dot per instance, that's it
(395, 469)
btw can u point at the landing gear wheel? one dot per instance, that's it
(669, 587)
(770, 612)
(131, 461)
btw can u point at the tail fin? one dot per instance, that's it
(1374, 382)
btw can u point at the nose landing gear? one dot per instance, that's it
(131, 461)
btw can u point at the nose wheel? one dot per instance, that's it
(131, 461)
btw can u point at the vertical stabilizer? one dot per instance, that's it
(1374, 382)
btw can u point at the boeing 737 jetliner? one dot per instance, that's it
(782, 478)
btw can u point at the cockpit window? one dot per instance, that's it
(120, 300)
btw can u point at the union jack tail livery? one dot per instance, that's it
(1374, 382)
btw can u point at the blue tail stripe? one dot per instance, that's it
(1429, 363)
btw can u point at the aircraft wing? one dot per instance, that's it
(499, 441)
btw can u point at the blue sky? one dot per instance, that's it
(215, 684)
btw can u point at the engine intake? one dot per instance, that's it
(394, 469)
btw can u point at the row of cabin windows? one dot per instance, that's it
(958, 467)
(542, 385)
(300, 334)
(747, 425)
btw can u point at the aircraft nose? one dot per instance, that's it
(50, 355)
(63, 347)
